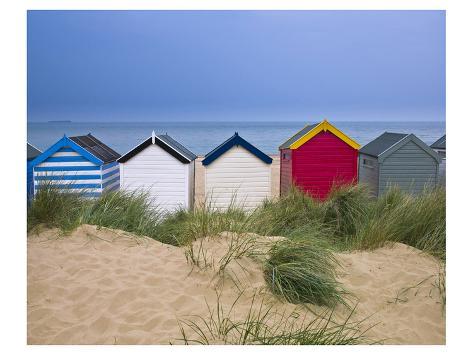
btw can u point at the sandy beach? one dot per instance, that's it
(101, 286)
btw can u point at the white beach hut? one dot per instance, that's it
(237, 173)
(163, 168)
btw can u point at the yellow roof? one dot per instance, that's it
(324, 126)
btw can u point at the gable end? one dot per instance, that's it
(65, 142)
(409, 138)
(149, 142)
(235, 140)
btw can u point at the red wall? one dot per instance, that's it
(322, 161)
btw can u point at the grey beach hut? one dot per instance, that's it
(398, 159)
(440, 146)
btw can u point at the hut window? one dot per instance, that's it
(368, 163)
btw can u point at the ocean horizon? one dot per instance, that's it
(202, 137)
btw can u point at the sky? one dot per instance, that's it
(143, 66)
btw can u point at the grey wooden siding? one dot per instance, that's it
(442, 172)
(410, 168)
(442, 167)
(368, 175)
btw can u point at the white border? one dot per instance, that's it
(459, 113)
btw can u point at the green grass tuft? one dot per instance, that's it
(345, 207)
(55, 208)
(282, 216)
(303, 271)
(419, 221)
(128, 211)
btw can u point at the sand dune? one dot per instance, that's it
(395, 286)
(100, 286)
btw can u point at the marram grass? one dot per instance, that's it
(263, 324)
(128, 211)
(55, 208)
(303, 271)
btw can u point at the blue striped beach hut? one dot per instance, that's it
(31, 153)
(78, 164)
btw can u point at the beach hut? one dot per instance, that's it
(440, 146)
(237, 173)
(81, 164)
(162, 167)
(316, 158)
(31, 153)
(398, 159)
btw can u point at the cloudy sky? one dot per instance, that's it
(236, 65)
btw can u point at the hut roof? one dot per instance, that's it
(310, 131)
(382, 143)
(389, 142)
(440, 143)
(96, 148)
(31, 151)
(167, 143)
(297, 136)
(90, 149)
(235, 140)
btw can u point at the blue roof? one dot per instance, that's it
(66, 142)
(235, 140)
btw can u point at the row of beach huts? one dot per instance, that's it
(314, 159)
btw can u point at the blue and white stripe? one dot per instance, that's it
(110, 176)
(69, 170)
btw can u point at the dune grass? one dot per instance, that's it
(183, 227)
(303, 271)
(55, 208)
(197, 255)
(419, 221)
(345, 208)
(132, 211)
(350, 219)
(128, 211)
(284, 215)
(296, 213)
(239, 246)
(265, 325)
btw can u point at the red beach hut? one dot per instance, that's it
(316, 158)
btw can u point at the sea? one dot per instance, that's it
(202, 137)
